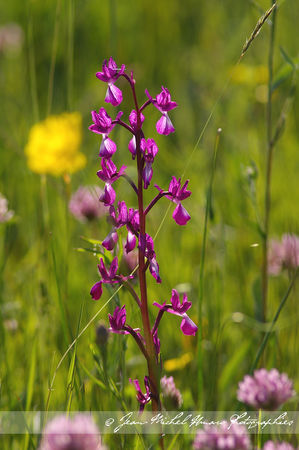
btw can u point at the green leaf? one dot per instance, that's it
(287, 58)
(232, 366)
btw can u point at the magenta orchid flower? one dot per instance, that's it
(110, 74)
(149, 150)
(118, 323)
(118, 320)
(103, 125)
(188, 327)
(177, 194)
(164, 104)
(109, 172)
(143, 399)
(124, 217)
(108, 277)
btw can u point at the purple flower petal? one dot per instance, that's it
(103, 271)
(109, 172)
(113, 95)
(147, 174)
(164, 125)
(188, 327)
(110, 241)
(131, 242)
(102, 122)
(107, 148)
(164, 102)
(132, 147)
(181, 215)
(113, 268)
(118, 320)
(96, 290)
(108, 196)
(177, 305)
(154, 269)
(133, 119)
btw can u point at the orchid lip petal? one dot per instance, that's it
(181, 215)
(113, 95)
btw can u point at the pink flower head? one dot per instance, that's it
(85, 205)
(177, 194)
(227, 436)
(149, 150)
(133, 120)
(270, 445)
(164, 104)
(275, 257)
(5, 214)
(290, 244)
(63, 433)
(284, 254)
(118, 320)
(110, 74)
(188, 327)
(265, 389)
(172, 397)
(109, 172)
(143, 399)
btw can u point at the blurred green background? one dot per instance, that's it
(191, 48)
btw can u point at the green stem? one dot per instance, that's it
(70, 53)
(201, 276)
(267, 335)
(53, 57)
(259, 436)
(31, 62)
(270, 146)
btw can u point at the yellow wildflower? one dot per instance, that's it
(250, 75)
(53, 145)
(178, 363)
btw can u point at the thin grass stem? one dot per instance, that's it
(200, 380)
(270, 146)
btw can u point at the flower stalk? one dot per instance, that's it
(270, 147)
(143, 151)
